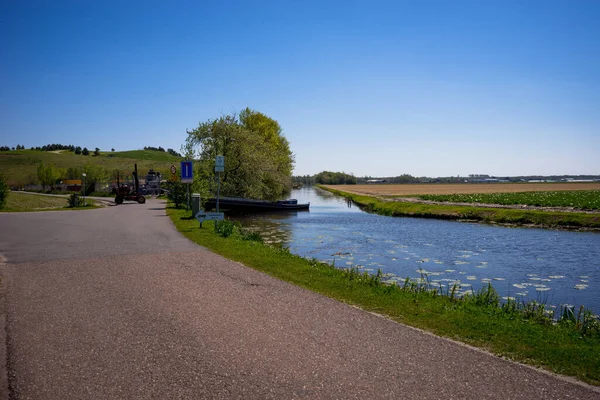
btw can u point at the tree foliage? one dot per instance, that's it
(334, 178)
(48, 175)
(177, 192)
(258, 159)
(95, 173)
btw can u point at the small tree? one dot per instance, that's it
(177, 192)
(97, 151)
(3, 191)
(113, 149)
(85, 151)
(78, 150)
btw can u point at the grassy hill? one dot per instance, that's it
(20, 166)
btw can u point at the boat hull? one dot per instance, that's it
(248, 205)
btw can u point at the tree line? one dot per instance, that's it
(159, 148)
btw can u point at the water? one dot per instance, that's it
(556, 267)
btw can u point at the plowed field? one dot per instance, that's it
(466, 188)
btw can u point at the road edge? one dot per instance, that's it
(4, 386)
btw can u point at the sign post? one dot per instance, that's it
(202, 216)
(187, 176)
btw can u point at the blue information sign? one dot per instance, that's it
(187, 172)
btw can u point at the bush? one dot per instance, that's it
(3, 191)
(224, 228)
(75, 201)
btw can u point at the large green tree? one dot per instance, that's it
(258, 159)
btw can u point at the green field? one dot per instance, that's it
(24, 202)
(509, 216)
(20, 166)
(580, 199)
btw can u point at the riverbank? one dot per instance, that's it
(522, 332)
(505, 216)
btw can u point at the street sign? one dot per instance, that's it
(187, 172)
(173, 170)
(220, 164)
(209, 216)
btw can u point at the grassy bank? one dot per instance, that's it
(546, 219)
(24, 202)
(520, 332)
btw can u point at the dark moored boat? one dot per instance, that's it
(241, 204)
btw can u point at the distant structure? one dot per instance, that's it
(377, 181)
(481, 178)
(153, 182)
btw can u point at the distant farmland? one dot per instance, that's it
(402, 190)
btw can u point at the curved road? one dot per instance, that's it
(113, 303)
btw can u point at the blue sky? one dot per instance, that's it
(428, 88)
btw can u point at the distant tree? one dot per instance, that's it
(85, 151)
(173, 153)
(3, 191)
(4, 148)
(113, 149)
(97, 151)
(334, 178)
(48, 175)
(78, 150)
(73, 173)
(95, 173)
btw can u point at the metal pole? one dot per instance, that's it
(187, 204)
(218, 188)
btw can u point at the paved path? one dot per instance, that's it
(113, 303)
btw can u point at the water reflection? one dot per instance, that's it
(528, 264)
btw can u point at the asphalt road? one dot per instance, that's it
(113, 303)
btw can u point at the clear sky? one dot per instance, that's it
(379, 88)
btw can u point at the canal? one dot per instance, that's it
(550, 266)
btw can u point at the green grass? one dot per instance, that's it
(580, 199)
(477, 320)
(20, 166)
(24, 202)
(544, 219)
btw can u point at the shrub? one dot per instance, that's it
(3, 191)
(224, 228)
(75, 201)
